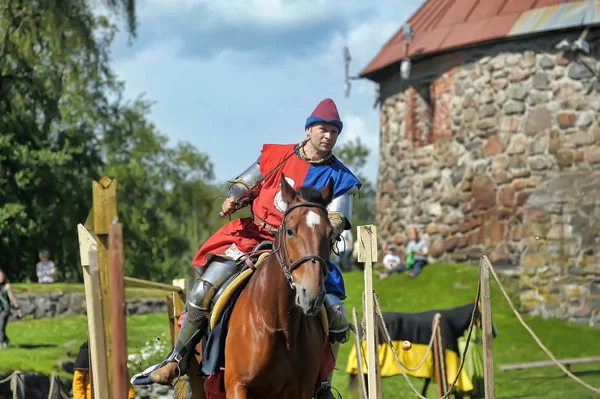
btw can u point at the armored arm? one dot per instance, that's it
(340, 212)
(245, 182)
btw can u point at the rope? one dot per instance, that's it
(62, 393)
(530, 331)
(10, 377)
(429, 347)
(388, 338)
(13, 378)
(463, 357)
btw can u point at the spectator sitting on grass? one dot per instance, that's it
(416, 256)
(45, 268)
(391, 259)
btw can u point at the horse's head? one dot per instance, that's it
(303, 243)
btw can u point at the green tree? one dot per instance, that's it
(62, 124)
(163, 194)
(54, 83)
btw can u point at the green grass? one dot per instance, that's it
(446, 286)
(38, 345)
(439, 286)
(38, 289)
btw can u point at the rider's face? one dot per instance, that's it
(322, 137)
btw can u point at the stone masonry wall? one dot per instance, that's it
(501, 120)
(59, 304)
(560, 264)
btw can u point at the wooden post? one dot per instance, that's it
(171, 316)
(441, 358)
(179, 300)
(367, 252)
(486, 326)
(91, 282)
(359, 358)
(437, 369)
(104, 212)
(118, 305)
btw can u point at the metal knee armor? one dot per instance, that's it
(339, 327)
(201, 296)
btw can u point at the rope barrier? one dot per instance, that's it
(463, 357)
(532, 333)
(429, 346)
(10, 377)
(15, 376)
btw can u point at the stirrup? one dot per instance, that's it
(176, 358)
(326, 388)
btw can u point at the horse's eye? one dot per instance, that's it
(290, 232)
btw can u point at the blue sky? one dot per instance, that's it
(228, 76)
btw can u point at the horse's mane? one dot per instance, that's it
(311, 194)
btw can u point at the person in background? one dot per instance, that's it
(416, 256)
(45, 268)
(7, 301)
(391, 259)
(82, 388)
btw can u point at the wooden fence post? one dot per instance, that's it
(486, 326)
(367, 252)
(359, 357)
(91, 282)
(179, 300)
(104, 212)
(118, 305)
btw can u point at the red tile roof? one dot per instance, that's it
(448, 24)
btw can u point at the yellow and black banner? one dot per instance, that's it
(417, 328)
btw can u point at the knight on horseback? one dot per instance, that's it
(308, 163)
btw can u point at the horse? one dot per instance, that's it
(276, 342)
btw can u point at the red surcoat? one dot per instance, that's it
(242, 235)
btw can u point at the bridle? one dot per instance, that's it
(284, 260)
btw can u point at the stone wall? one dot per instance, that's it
(560, 264)
(502, 118)
(58, 304)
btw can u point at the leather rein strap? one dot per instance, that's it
(284, 260)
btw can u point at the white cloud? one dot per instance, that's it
(227, 105)
(255, 13)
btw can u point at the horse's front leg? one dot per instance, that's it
(238, 391)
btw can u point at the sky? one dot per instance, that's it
(228, 76)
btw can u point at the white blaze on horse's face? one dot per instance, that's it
(313, 219)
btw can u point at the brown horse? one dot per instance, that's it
(275, 342)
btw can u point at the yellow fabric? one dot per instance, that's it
(81, 385)
(245, 275)
(411, 358)
(82, 389)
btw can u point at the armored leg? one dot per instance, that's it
(195, 321)
(339, 327)
(339, 333)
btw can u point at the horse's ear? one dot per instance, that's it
(288, 194)
(327, 191)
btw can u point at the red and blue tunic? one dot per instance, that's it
(241, 235)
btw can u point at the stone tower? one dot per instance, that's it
(492, 144)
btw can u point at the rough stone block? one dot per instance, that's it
(534, 260)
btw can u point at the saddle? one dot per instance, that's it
(249, 263)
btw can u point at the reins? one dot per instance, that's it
(280, 244)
